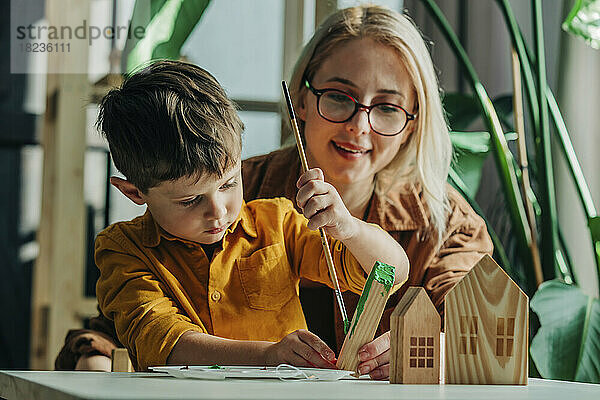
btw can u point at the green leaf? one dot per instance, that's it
(463, 109)
(504, 107)
(470, 151)
(594, 224)
(567, 344)
(584, 21)
(167, 25)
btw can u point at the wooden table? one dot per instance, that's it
(32, 385)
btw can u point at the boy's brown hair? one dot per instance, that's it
(169, 120)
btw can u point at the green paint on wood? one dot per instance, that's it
(382, 273)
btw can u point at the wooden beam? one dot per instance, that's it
(293, 34)
(367, 315)
(323, 9)
(58, 274)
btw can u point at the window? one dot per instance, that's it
(421, 352)
(246, 57)
(468, 335)
(505, 331)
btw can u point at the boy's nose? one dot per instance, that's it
(216, 210)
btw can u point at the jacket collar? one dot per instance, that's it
(152, 233)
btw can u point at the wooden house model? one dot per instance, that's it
(415, 340)
(486, 328)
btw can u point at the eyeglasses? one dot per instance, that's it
(336, 106)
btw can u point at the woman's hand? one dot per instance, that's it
(322, 205)
(301, 349)
(375, 358)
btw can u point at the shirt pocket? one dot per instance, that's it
(266, 278)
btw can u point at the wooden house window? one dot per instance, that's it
(468, 335)
(421, 352)
(505, 332)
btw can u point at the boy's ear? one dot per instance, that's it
(128, 189)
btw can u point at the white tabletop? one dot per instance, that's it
(51, 385)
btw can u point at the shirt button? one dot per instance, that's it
(215, 296)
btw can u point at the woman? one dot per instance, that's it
(368, 101)
(367, 97)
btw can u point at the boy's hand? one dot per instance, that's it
(322, 205)
(301, 349)
(374, 358)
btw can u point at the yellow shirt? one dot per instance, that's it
(155, 286)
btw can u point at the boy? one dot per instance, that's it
(203, 278)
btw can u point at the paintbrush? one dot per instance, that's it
(324, 242)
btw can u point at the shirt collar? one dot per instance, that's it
(150, 230)
(152, 233)
(246, 219)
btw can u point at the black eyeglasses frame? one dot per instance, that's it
(358, 106)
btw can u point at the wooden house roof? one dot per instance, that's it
(414, 295)
(491, 277)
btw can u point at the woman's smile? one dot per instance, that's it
(349, 151)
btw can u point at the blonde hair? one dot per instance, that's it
(424, 159)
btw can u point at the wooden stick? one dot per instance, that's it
(526, 185)
(367, 315)
(324, 242)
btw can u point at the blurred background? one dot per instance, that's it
(54, 165)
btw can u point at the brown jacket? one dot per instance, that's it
(401, 212)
